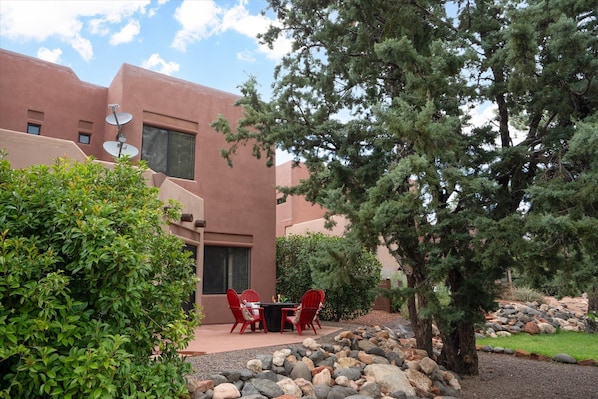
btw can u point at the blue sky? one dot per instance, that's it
(209, 42)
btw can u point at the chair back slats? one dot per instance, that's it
(304, 315)
(234, 304)
(250, 295)
(310, 304)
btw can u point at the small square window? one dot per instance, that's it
(33, 128)
(84, 138)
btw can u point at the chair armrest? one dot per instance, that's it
(262, 319)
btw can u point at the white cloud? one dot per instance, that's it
(246, 56)
(49, 55)
(65, 20)
(486, 113)
(203, 19)
(483, 114)
(239, 20)
(158, 64)
(154, 10)
(281, 47)
(199, 20)
(82, 46)
(126, 34)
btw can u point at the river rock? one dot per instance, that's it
(301, 370)
(289, 387)
(226, 391)
(255, 365)
(390, 379)
(533, 319)
(323, 378)
(419, 380)
(428, 366)
(267, 387)
(336, 372)
(564, 358)
(531, 328)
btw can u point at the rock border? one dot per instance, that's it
(365, 363)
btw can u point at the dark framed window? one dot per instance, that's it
(224, 268)
(34, 128)
(169, 152)
(84, 138)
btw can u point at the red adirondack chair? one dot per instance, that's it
(303, 315)
(243, 315)
(250, 295)
(322, 297)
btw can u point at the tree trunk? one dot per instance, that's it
(593, 299)
(459, 349)
(458, 337)
(421, 327)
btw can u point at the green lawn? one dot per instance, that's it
(581, 346)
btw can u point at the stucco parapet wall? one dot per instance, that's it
(191, 203)
(27, 149)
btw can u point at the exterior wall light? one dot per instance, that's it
(186, 217)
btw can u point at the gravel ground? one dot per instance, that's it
(501, 376)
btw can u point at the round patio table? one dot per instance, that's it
(273, 314)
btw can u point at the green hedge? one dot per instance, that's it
(91, 285)
(343, 269)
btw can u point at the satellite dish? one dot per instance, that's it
(120, 118)
(118, 149)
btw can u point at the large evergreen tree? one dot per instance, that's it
(375, 99)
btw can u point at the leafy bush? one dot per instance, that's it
(345, 271)
(91, 285)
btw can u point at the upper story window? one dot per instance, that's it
(34, 128)
(169, 152)
(84, 138)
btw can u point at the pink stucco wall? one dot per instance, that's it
(238, 203)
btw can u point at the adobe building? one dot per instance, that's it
(230, 213)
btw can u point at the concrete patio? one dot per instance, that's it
(216, 338)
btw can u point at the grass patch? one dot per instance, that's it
(580, 345)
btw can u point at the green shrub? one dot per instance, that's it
(91, 284)
(345, 271)
(523, 294)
